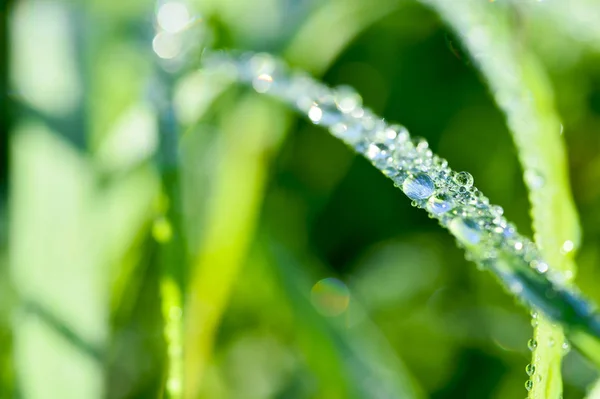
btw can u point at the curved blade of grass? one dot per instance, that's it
(347, 18)
(198, 340)
(448, 196)
(521, 90)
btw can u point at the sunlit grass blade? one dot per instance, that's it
(521, 90)
(250, 133)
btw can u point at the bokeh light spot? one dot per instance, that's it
(173, 17)
(162, 230)
(167, 45)
(330, 296)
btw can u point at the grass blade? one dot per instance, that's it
(521, 90)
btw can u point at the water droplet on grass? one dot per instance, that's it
(534, 178)
(467, 231)
(440, 203)
(315, 114)
(530, 369)
(419, 186)
(347, 99)
(567, 247)
(463, 179)
(532, 344)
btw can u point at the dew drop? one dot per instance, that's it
(262, 83)
(532, 344)
(541, 267)
(420, 143)
(467, 231)
(566, 347)
(551, 342)
(440, 203)
(530, 369)
(534, 178)
(529, 385)
(315, 114)
(419, 186)
(516, 287)
(463, 179)
(534, 323)
(347, 99)
(567, 247)
(373, 151)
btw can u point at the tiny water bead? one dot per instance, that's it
(467, 231)
(534, 179)
(464, 179)
(347, 99)
(529, 385)
(532, 344)
(567, 247)
(315, 113)
(419, 186)
(262, 83)
(440, 203)
(530, 369)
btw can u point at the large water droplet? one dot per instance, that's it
(467, 231)
(529, 385)
(463, 179)
(419, 186)
(440, 203)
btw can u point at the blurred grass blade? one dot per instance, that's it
(250, 133)
(521, 90)
(368, 361)
(53, 235)
(595, 391)
(313, 48)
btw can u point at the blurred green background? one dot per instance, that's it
(148, 207)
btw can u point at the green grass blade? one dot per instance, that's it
(448, 196)
(521, 90)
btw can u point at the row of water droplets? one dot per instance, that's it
(449, 196)
(532, 344)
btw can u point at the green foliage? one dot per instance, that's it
(172, 236)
